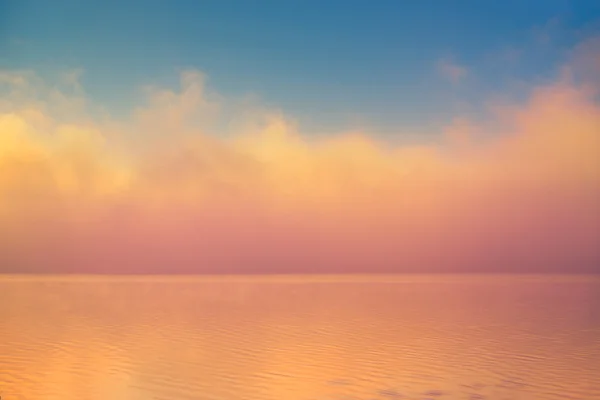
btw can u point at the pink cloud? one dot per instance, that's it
(516, 193)
(452, 71)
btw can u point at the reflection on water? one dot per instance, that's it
(299, 338)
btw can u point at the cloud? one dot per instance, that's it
(544, 34)
(452, 71)
(167, 190)
(586, 61)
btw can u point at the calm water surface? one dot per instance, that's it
(300, 338)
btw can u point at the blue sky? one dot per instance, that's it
(330, 63)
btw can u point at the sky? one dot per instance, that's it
(299, 136)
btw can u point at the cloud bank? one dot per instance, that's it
(192, 183)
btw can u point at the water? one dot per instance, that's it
(308, 338)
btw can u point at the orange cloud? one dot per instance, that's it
(168, 191)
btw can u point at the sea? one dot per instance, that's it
(470, 337)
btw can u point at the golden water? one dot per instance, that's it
(416, 337)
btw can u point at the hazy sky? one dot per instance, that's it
(299, 136)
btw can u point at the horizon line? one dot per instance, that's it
(301, 278)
